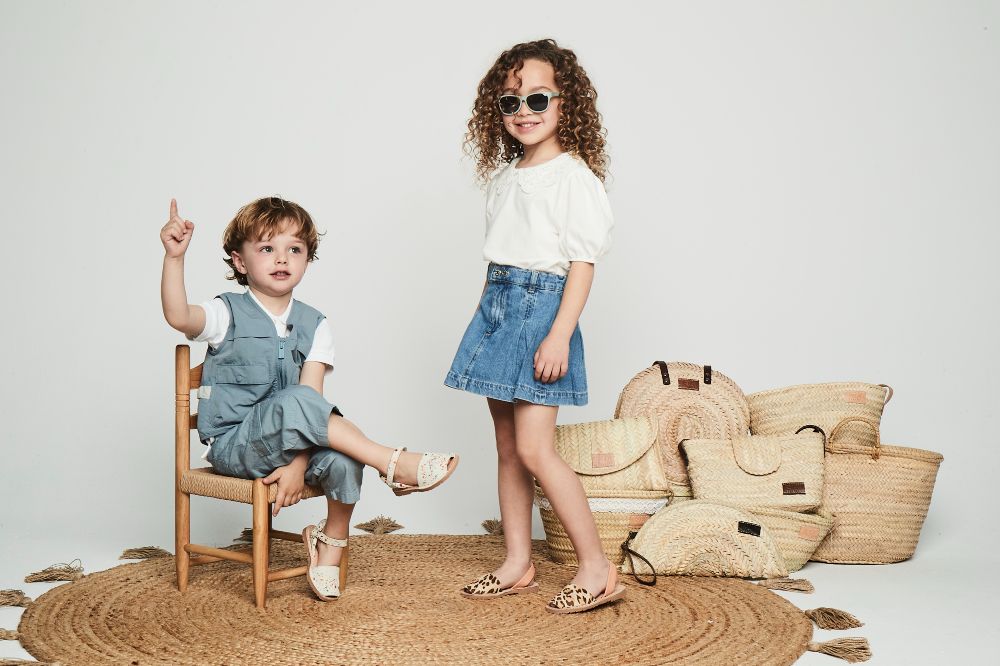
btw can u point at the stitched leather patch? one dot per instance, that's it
(689, 384)
(810, 532)
(602, 460)
(748, 528)
(636, 520)
(857, 397)
(793, 488)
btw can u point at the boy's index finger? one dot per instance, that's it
(173, 208)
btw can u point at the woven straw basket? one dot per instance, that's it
(785, 410)
(797, 534)
(699, 538)
(878, 495)
(688, 401)
(776, 471)
(614, 456)
(615, 518)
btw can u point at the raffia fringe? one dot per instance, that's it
(14, 598)
(493, 527)
(851, 650)
(788, 585)
(246, 536)
(831, 618)
(379, 525)
(8, 635)
(144, 553)
(62, 571)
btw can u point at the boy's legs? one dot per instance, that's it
(340, 478)
(347, 438)
(534, 430)
(516, 491)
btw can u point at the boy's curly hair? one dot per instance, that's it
(579, 131)
(261, 219)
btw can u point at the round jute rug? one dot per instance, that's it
(402, 606)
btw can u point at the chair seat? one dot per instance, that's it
(205, 482)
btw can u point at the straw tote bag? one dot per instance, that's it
(878, 495)
(700, 538)
(783, 411)
(775, 471)
(687, 401)
(614, 456)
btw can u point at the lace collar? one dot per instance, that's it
(535, 178)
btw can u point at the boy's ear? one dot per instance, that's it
(238, 262)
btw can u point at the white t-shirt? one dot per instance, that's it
(543, 217)
(217, 324)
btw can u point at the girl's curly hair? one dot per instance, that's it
(579, 131)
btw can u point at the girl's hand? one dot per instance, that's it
(176, 233)
(291, 482)
(552, 359)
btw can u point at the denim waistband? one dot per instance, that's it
(525, 278)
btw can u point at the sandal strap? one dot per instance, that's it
(390, 470)
(330, 541)
(526, 579)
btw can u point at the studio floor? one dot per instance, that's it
(938, 608)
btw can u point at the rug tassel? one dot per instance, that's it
(143, 553)
(71, 571)
(8, 635)
(851, 650)
(14, 598)
(831, 618)
(788, 585)
(493, 527)
(246, 536)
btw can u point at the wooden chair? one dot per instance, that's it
(205, 482)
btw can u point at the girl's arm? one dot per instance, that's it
(552, 357)
(176, 236)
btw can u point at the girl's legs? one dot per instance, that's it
(534, 431)
(347, 438)
(338, 520)
(516, 492)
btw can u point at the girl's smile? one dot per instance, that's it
(535, 130)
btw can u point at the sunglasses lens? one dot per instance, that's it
(509, 104)
(538, 102)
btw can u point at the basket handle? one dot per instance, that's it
(888, 393)
(850, 419)
(631, 554)
(665, 373)
(816, 428)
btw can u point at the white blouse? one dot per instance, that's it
(543, 217)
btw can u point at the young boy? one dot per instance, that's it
(261, 409)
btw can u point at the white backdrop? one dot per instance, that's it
(804, 192)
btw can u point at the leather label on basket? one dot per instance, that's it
(689, 384)
(810, 532)
(598, 460)
(857, 397)
(748, 528)
(636, 520)
(793, 488)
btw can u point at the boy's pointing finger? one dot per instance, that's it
(173, 208)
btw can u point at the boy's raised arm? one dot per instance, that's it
(176, 236)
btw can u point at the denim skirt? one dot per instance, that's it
(496, 355)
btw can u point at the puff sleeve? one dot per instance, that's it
(587, 218)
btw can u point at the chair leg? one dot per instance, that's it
(182, 537)
(261, 539)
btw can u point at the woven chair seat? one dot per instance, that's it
(205, 482)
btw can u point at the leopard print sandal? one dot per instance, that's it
(488, 587)
(575, 599)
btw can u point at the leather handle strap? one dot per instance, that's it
(631, 554)
(664, 372)
(813, 427)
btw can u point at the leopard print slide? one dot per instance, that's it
(575, 599)
(488, 587)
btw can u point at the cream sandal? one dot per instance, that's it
(488, 587)
(326, 581)
(575, 599)
(432, 470)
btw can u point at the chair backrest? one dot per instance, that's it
(186, 379)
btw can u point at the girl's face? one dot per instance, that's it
(274, 266)
(533, 130)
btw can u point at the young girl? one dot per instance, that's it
(547, 223)
(260, 405)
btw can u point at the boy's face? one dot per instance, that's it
(274, 266)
